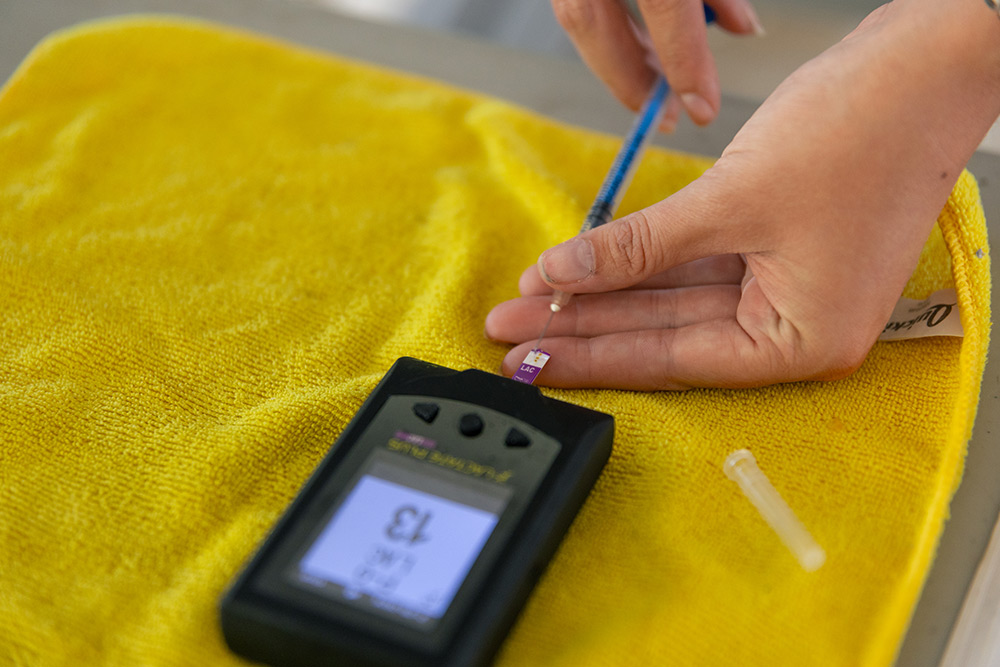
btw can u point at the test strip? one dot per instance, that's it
(531, 366)
(741, 467)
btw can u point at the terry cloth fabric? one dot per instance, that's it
(213, 245)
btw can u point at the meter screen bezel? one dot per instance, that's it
(521, 471)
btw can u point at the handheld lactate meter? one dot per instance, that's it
(420, 535)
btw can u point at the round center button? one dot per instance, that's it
(470, 425)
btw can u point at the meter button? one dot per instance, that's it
(516, 439)
(470, 424)
(426, 411)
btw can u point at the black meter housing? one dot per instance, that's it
(421, 533)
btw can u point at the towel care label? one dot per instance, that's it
(937, 315)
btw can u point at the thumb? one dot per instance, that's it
(627, 251)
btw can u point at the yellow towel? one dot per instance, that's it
(212, 245)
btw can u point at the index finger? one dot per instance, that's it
(680, 38)
(677, 30)
(602, 33)
(716, 353)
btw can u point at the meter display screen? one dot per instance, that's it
(403, 538)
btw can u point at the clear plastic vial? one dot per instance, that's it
(741, 467)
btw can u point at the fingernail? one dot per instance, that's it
(568, 262)
(508, 364)
(668, 125)
(697, 106)
(758, 29)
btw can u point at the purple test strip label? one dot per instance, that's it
(531, 366)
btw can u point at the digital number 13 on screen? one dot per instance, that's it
(399, 545)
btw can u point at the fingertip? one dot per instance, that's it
(633, 90)
(739, 19)
(699, 108)
(512, 360)
(671, 114)
(569, 262)
(502, 321)
(490, 326)
(668, 124)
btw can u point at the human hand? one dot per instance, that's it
(783, 262)
(602, 34)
